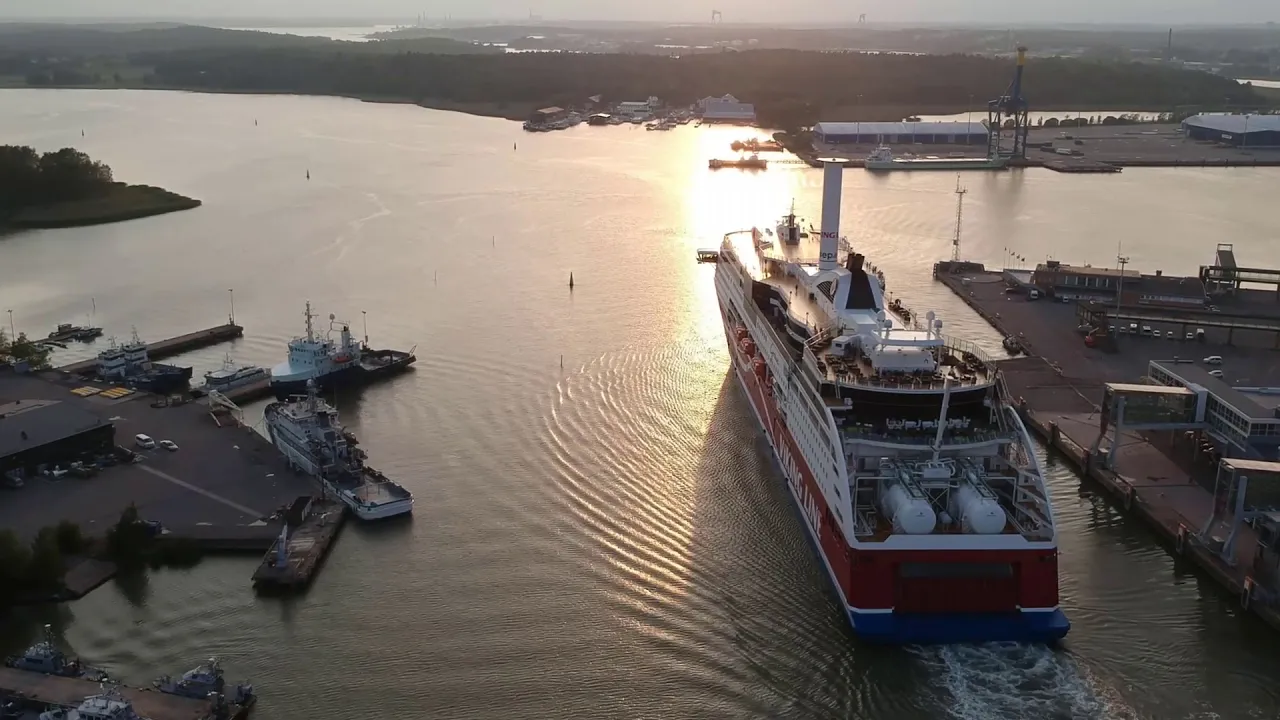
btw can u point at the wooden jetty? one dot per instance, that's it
(40, 690)
(314, 524)
(171, 346)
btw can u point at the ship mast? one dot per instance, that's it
(955, 242)
(310, 331)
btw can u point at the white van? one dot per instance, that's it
(144, 441)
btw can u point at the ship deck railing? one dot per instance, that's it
(925, 438)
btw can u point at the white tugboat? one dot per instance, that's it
(331, 364)
(202, 680)
(307, 431)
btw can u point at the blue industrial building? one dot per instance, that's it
(901, 133)
(1239, 130)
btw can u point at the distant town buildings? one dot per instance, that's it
(638, 109)
(726, 109)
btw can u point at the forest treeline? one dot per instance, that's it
(788, 87)
(28, 178)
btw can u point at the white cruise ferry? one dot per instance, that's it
(307, 431)
(915, 479)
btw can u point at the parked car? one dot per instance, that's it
(144, 441)
(1215, 373)
(1213, 360)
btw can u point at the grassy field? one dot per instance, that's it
(120, 202)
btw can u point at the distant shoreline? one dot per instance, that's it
(120, 203)
(520, 111)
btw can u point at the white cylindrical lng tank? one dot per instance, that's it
(978, 514)
(911, 515)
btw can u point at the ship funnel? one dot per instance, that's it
(832, 177)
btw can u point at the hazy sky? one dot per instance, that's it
(1159, 12)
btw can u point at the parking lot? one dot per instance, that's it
(217, 476)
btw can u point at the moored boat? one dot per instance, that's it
(331, 364)
(108, 705)
(231, 376)
(202, 680)
(308, 433)
(47, 658)
(129, 364)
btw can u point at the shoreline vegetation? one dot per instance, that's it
(789, 88)
(67, 188)
(116, 203)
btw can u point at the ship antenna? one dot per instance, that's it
(310, 331)
(955, 243)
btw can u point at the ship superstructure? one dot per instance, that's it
(129, 364)
(915, 479)
(308, 433)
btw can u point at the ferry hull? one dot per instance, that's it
(883, 624)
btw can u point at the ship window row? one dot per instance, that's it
(816, 446)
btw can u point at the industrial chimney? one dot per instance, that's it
(832, 176)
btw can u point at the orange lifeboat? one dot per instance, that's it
(760, 367)
(341, 358)
(740, 333)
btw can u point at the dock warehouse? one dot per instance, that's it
(1237, 130)
(900, 133)
(34, 432)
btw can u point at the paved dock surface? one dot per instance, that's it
(171, 346)
(1059, 386)
(220, 477)
(54, 690)
(1143, 145)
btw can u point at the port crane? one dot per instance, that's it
(1009, 108)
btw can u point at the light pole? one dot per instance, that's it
(232, 294)
(969, 121)
(13, 334)
(364, 314)
(1121, 260)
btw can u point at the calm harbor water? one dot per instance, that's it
(598, 533)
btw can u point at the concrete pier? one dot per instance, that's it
(305, 546)
(172, 346)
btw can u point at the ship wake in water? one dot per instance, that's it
(1014, 680)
